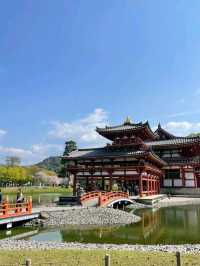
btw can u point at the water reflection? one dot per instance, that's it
(39, 199)
(174, 225)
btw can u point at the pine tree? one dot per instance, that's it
(69, 147)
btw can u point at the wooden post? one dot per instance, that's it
(28, 262)
(107, 260)
(74, 185)
(178, 258)
(110, 182)
(140, 185)
(30, 205)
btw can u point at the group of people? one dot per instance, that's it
(19, 197)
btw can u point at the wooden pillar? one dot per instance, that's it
(150, 184)
(148, 191)
(140, 185)
(110, 182)
(87, 183)
(103, 182)
(183, 176)
(74, 184)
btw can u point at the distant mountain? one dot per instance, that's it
(52, 163)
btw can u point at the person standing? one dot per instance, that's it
(20, 197)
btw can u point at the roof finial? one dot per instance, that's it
(159, 125)
(127, 121)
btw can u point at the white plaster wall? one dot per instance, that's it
(189, 175)
(189, 183)
(178, 182)
(104, 173)
(167, 182)
(131, 172)
(97, 173)
(86, 173)
(118, 172)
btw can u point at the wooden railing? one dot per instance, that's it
(8, 210)
(109, 196)
(103, 196)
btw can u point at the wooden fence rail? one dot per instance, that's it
(18, 209)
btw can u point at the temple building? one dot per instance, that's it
(137, 160)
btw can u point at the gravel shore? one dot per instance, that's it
(88, 216)
(42, 245)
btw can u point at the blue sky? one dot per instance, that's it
(68, 66)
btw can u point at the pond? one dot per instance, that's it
(172, 225)
(39, 199)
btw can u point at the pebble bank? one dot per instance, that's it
(88, 216)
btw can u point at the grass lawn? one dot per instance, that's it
(36, 190)
(95, 258)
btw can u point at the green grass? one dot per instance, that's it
(36, 190)
(95, 258)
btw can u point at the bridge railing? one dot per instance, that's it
(103, 196)
(15, 209)
(91, 195)
(106, 198)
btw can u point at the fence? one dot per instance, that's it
(103, 196)
(176, 260)
(18, 209)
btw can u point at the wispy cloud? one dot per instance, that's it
(182, 128)
(82, 130)
(2, 133)
(184, 113)
(36, 152)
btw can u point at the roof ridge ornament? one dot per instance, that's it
(127, 121)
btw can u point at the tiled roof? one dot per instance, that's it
(120, 127)
(175, 141)
(101, 152)
(163, 134)
(183, 160)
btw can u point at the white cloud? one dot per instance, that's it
(195, 112)
(182, 128)
(2, 133)
(15, 152)
(46, 148)
(35, 154)
(82, 130)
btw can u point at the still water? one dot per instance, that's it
(40, 198)
(173, 225)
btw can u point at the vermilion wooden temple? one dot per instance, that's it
(137, 160)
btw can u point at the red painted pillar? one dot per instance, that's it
(183, 176)
(148, 191)
(140, 185)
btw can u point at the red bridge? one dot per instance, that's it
(104, 199)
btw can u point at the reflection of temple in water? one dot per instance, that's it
(176, 225)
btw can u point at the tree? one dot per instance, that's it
(13, 161)
(46, 177)
(69, 147)
(191, 135)
(14, 175)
